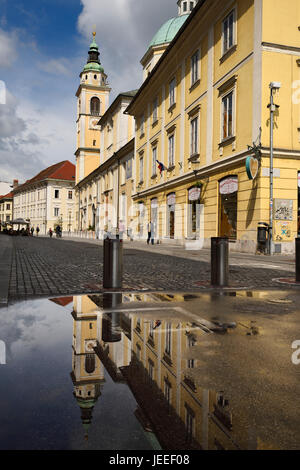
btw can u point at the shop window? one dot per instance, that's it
(171, 215)
(194, 194)
(228, 190)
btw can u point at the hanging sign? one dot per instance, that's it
(171, 199)
(194, 194)
(229, 185)
(252, 166)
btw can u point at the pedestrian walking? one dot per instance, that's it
(58, 231)
(32, 231)
(50, 232)
(150, 230)
(37, 231)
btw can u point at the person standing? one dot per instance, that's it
(50, 232)
(37, 231)
(32, 231)
(150, 230)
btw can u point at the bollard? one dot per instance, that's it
(112, 263)
(297, 252)
(219, 261)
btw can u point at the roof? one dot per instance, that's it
(64, 171)
(126, 94)
(168, 31)
(7, 196)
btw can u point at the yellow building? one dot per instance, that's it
(92, 102)
(203, 103)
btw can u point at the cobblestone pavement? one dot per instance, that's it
(42, 266)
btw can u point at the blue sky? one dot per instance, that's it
(43, 48)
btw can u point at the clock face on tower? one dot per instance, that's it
(93, 123)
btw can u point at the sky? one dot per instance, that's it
(43, 48)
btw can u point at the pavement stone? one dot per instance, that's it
(50, 267)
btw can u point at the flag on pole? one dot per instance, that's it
(161, 167)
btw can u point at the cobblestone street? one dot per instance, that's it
(48, 267)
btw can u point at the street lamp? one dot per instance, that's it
(274, 86)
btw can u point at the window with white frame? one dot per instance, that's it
(154, 158)
(227, 115)
(155, 110)
(172, 87)
(168, 338)
(228, 31)
(194, 136)
(142, 125)
(171, 150)
(56, 211)
(195, 67)
(141, 169)
(129, 168)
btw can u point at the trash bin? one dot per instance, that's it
(219, 261)
(112, 263)
(297, 252)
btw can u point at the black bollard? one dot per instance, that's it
(297, 252)
(112, 263)
(219, 262)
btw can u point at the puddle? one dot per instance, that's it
(151, 371)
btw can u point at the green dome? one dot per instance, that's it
(168, 31)
(93, 67)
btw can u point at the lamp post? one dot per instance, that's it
(274, 86)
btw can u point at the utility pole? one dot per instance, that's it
(274, 86)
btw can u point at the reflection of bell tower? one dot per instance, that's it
(93, 98)
(88, 373)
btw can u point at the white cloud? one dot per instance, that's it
(124, 30)
(56, 66)
(8, 48)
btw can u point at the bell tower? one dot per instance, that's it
(92, 102)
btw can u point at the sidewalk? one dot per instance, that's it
(277, 261)
(6, 249)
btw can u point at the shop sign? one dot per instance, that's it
(171, 199)
(194, 194)
(229, 185)
(252, 166)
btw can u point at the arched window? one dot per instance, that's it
(90, 363)
(95, 106)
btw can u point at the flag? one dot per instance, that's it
(161, 167)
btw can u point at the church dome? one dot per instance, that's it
(168, 31)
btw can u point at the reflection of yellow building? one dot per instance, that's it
(202, 104)
(6, 209)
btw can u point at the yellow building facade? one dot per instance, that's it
(202, 109)
(6, 210)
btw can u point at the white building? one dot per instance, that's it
(48, 199)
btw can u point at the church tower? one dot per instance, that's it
(92, 102)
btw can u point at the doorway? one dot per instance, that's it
(228, 207)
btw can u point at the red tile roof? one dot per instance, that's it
(7, 196)
(60, 171)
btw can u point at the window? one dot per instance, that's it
(56, 194)
(189, 422)
(141, 169)
(95, 106)
(155, 107)
(70, 195)
(195, 68)
(154, 158)
(56, 211)
(142, 126)
(167, 390)
(168, 338)
(227, 116)
(184, 6)
(151, 369)
(194, 136)
(228, 32)
(191, 5)
(129, 169)
(7, 207)
(172, 91)
(171, 151)
(94, 143)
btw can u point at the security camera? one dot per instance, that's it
(275, 85)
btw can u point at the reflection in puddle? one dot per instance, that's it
(171, 378)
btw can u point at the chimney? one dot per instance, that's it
(15, 184)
